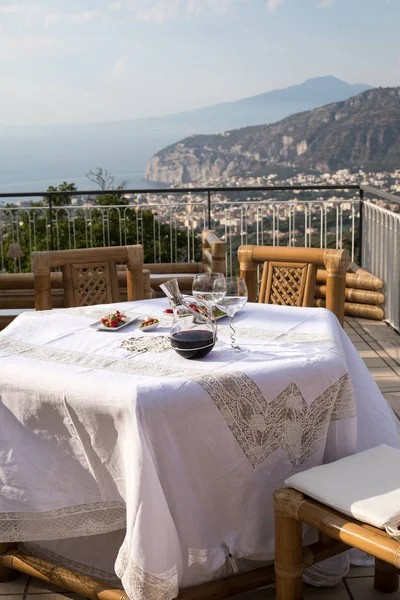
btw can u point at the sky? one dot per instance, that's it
(88, 61)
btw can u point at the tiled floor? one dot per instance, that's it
(379, 346)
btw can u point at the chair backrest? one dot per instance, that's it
(214, 252)
(289, 274)
(89, 275)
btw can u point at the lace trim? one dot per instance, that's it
(157, 344)
(45, 554)
(160, 344)
(288, 422)
(121, 365)
(296, 426)
(62, 523)
(87, 361)
(141, 585)
(277, 336)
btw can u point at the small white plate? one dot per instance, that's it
(149, 327)
(98, 325)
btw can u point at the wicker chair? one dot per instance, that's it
(347, 501)
(89, 275)
(289, 274)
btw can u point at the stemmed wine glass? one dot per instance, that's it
(231, 294)
(204, 291)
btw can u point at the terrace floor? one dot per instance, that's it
(379, 347)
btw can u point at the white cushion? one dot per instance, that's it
(365, 486)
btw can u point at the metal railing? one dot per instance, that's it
(313, 223)
(381, 248)
(169, 229)
(167, 222)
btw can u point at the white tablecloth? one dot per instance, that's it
(181, 455)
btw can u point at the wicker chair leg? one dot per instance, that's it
(7, 574)
(386, 578)
(289, 565)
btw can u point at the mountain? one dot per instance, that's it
(361, 132)
(31, 158)
(263, 108)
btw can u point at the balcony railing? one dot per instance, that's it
(168, 223)
(239, 215)
(380, 230)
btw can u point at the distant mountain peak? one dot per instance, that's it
(263, 108)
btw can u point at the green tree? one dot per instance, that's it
(63, 187)
(113, 221)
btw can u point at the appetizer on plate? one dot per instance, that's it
(114, 319)
(149, 324)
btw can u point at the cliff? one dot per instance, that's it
(361, 132)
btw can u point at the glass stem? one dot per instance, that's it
(233, 335)
(213, 320)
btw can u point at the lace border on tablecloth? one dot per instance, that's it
(260, 427)
(141, 585)
(298, 427)
(63, 523)
(140, 344)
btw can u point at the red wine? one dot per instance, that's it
(193, 344)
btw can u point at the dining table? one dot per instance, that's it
(125, 461)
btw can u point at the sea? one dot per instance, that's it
(32, 159)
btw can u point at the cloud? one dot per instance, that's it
(273, 4)
(119, 67)
(8, 10)
(83, 17)
(115, 6)
(18, 47)
(161, 11)
(324, 3)
(158, 11)
(19, 8)
(52, 18)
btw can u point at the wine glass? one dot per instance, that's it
(234, 290)
(203, 290)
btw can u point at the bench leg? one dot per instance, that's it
(289, 564)
(7, 574)
(386, 578)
